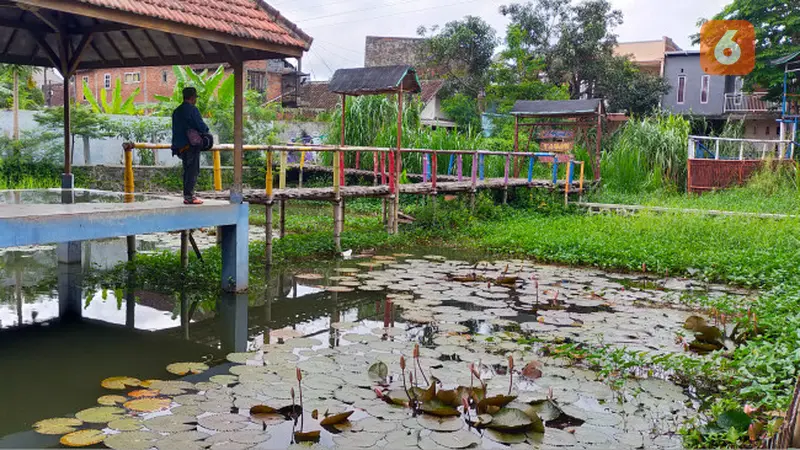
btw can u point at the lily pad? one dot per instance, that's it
(120, 383)
(184, 368)
(336, 418)
(309, 276)
(224, 380)
(83, 438)
(250, 437)
(378, 372)
(100, 414)
(172, 423)
(149, 405)
(457, 439)
(223, 422)
(547, 410)
(505, 438)
(142, 393)
(440, 423)
(358, 440)
(510, 420)
(126, 424)
(59, 426)
(307, 436)
(112, 400)
(340, 289)
(132, 440)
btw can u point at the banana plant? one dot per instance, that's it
(212, 89)
(117, 105)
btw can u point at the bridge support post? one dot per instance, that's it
(338, 214)
(70, 277)
(268, 231)
(282, 218)
(472, 202)
(235, 252)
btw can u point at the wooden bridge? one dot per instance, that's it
(385, 176)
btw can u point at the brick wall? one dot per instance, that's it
(389, 51)
(159, 80)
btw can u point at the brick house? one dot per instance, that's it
(263, 76)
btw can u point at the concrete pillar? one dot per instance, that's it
(232, 320)
(235, 253)
(70, 279)
(67, 186)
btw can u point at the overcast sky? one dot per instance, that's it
(340, 26)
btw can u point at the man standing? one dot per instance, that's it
(189, 136)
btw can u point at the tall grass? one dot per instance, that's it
(647, 154)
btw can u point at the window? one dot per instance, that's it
(256, 80)
(84, 83)
(766, 132)
(705, 84)
(133, 77)
(681, 89)
(164, 78)
(107, 81)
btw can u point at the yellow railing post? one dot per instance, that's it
(217, 171)
(583, 164)
(269, 175)
(128, 175)
(336, 157)
(302, 163)
(282, 176)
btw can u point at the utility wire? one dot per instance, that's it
(463, 2)
(311, 19)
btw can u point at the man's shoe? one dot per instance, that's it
(194, 201)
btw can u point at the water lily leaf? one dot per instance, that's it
(309, 276)
(250, 437)
(126, 424)
(510, 420)
(83, 438)
(532, 370)
(457, 439)
(737, 420)
(132, 440)
(112, 400)
(148, 405)
(142, 393)
(694, 322)
(120, 382)
(184, 368)
(100, 414)
(482, 420)
(262, 409)
(172, 423)
(224, 380)
(358, 440)
(240, 358)
(498, 401)
(339, 288)
(223, 422)
(439, 409)
(547, 410)
(308, 436)
(184, 437)
(378, 372)
(449, 397)
(440, 423)
(57, 426)
(285, 333)
(505, 438)
(336, 418)
(537, 423)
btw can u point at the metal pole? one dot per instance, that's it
(716, 149)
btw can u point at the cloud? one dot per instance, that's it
(339, 27)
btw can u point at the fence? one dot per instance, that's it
(717, 163)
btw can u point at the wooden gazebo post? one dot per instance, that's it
(398, 161)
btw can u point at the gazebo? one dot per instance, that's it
(89, 34)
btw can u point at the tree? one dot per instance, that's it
(463, 50)
(143, 129)
(16, 71)
(516, 74)
(83, 122)
(627, 89)
(118, 104)
(463, 110)
(574, 42)
(213, 89)
(777, 26)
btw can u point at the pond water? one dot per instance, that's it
(345, 325)
(53, 196)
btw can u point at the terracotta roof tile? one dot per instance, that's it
(429, 89)
(250, 19)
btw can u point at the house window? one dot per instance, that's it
(681, 89)
(766, 132)
(256, 80)
(133, 77)
(107, 81)
(164, 78)
(705, 84)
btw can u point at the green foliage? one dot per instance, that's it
(213, 89)
(630, 90)
(83, 122)
(463, 110)
(647, 154)
(30, 96)
(118, 103)
(776, 24)
(463, 51)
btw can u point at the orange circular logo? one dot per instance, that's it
(728, 47)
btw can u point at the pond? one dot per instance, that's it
(483, 330)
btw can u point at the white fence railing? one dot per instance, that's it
(741, 102)
(709, 147)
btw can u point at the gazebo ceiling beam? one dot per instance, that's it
(51, 21)
(132, 44)
(139, 21)
(114, 46)
(10, 41)
(51, 54)
(78, 53)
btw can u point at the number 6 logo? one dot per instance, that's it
(728, 47)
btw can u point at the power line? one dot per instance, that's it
(322, 59)
(394, 14)
(311, 19)
(357, 52)
(327, 49)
